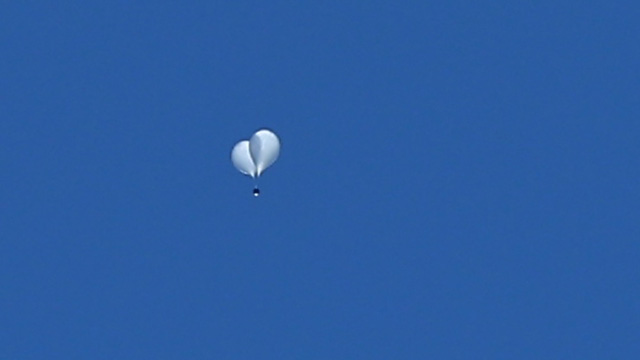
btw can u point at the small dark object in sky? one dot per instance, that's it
(256, 192)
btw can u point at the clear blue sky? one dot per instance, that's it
(458, 180)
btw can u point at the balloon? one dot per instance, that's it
(252, 157)
(264, 148)
(241, 159)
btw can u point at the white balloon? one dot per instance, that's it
(241, 158)
(264, 148)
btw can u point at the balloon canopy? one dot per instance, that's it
(252, 157)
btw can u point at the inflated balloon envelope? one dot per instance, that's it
(252, 157)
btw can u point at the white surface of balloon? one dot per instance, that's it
(252, 157)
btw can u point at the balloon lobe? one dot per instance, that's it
(264, 148)
(241, 158)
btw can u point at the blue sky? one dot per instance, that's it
(457, 180)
